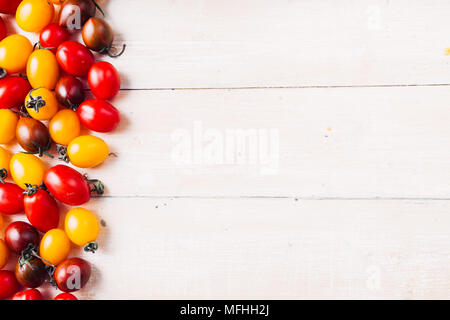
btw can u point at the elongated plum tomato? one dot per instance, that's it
(9, 6)
(31, 273)
(4, 254)
(43, 69)
(64, 127)
(55, 247)
(67, 185)
(34, 15)
(71, 269)
(8, 123)
(30, 294)
(33, 136)
(11, 198)
(69, 92)
(5, 159)
(41, 104)
(14, 53)
(3, 30)
(82, 228)
(52, 36)
(65, 296)
(98, 115)
(83, 8)
(104, 80)
(74, 58)
(41, 210)
(26, 169)
(8, 284)
(19, 235)
(87, 151)
(13, 90)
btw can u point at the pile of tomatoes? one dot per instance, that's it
(43, 106)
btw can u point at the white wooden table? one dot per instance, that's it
(356, 94)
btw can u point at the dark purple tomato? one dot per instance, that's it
(74, 13)
(69, 92)
(72, 274)
(98, 36)
(19, 235)
(98, 115)
(33, 136)
(31, 273)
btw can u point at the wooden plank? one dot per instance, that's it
(342, 142)
(264, 43)
(270, 249)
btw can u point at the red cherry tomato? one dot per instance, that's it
(69, 186)
(3, 30)
(42, 210)
(13, 91)
(8, 284)
(98, 115)
(52, 36)
(31, 294)
(104, 80)
(19, 235)
(11, 198)
(9, 6)
(65, 296)
(72, 274)
(74, 58)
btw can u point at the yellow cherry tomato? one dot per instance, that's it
(5, 159)
(64, 127)
(34, 15)
(41, 104)
(55, 247)
(87, 151)
(8, 124)
(82, 228)
(4, 254)
(26, 168)
(43, 69)
(14, 53)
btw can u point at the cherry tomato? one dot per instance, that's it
(8, 123)
(41, 104)
(41, 209)
(3, 30)
(11, 198)
(33, 136)
(55, 247)
(98, 36)
(87, 151)
(31, 273)
(9, 6)
(98, 115)
(82, 228)
(69, 92)
(65, 296)
(69, 186)
(8, 284)
(14, 53)
(4, 254)
(75, 13)
(34, 15)
(52, 36)
(43, 69)
(19, 235)
(31, 294)
(5, 159)
(26, 169)
(72, 275)
(13, 91)
(74, 58)
(104, 80)
(64, 127)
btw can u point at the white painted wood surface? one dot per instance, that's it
(359, 207)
